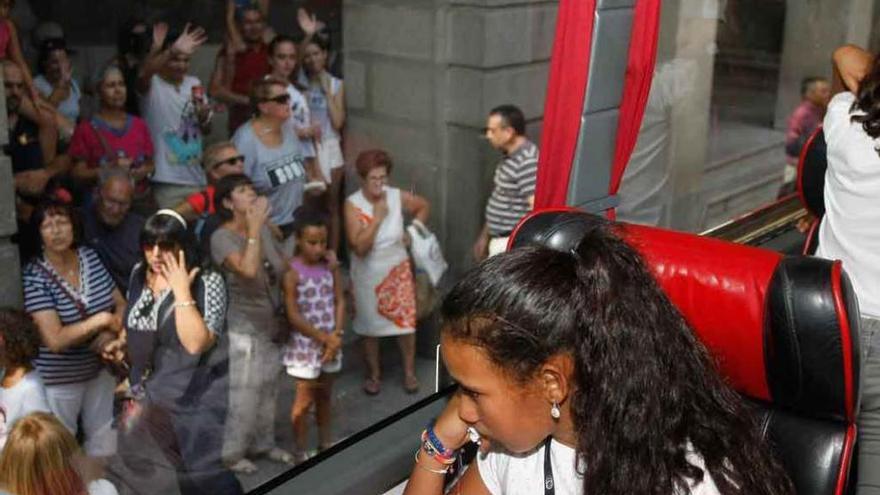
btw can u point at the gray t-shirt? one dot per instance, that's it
(279, 173)
(250, 299)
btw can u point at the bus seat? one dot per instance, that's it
(783, 330)
(810, 183)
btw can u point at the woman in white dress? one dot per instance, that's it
(384, 291)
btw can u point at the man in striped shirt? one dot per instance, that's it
(514, 193)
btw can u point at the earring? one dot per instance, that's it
(555, 413)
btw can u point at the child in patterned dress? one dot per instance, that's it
(315, 309)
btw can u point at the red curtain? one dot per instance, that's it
(569, 67)
(637, 86)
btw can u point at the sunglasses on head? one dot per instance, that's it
(282, 99)
(229, 161)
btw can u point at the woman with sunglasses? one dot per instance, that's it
(219, 160)
(275, 158)
(179, 367)
(253, 264)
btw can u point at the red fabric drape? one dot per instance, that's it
(569, 67)
(637, 86)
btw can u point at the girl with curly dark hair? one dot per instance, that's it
(21, 389)
(574, 366)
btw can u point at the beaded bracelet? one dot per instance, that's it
(435, 471)
(435, 448)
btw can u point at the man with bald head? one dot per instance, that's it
(112, 229)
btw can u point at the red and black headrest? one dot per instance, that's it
(783, 330)
(812, 164)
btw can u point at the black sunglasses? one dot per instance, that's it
(163, 245)
(229, 161)
(282, 99)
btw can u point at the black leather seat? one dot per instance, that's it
(810, 183)
(783, 330)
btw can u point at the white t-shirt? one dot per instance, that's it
(300, 116)
(508, 474)
(27, 396)
(177, 137)
(69, 107)
(850, 229)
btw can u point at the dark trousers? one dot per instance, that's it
(185, 445)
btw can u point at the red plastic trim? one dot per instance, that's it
(845, 340)
(799, 180)
(813, 232)
(846, 456)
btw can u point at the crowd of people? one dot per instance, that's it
(173, 278)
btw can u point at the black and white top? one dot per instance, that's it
(161, 367)
(46, 290)
(515, 180)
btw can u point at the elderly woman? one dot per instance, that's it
(275, 158)
(384, 291)
(76, 306)
(573, 400)
(179, 363)
(254, 265)
(113, 138)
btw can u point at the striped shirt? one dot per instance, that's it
(46, 290)
(515, 181)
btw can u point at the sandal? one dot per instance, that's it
(372, 386)
(282, 456)
(243, 466)
(411, 384)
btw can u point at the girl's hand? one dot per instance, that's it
(309, 23)
(174, 271)
(332, 344)
(326, 84)
(449, 427)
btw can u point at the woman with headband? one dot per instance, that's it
(179, 363)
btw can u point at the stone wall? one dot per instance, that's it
(10, 282)
(420, 77)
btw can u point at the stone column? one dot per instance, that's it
(10, 282)
(812, 31)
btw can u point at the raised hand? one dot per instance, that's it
(257, 215)
(175, 272)
(309, 23)
(380, 209)
(160, 32)
(191, 38)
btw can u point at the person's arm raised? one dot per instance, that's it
(850, 64)
(246, 263)
(186, 44)
(194, 335)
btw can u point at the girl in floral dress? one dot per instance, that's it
(315, 309)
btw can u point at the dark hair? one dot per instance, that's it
(370, 159)
(868, 101)
(277, 40)
(512, 116)
(321, 40)
(308, 216)
(128, 42)
(163, 228)
(645, 387)
(21, 340)
(223, 190)
(808, 82)
(50, 207)
(239, 12)
(46, 48)
(260, 91)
